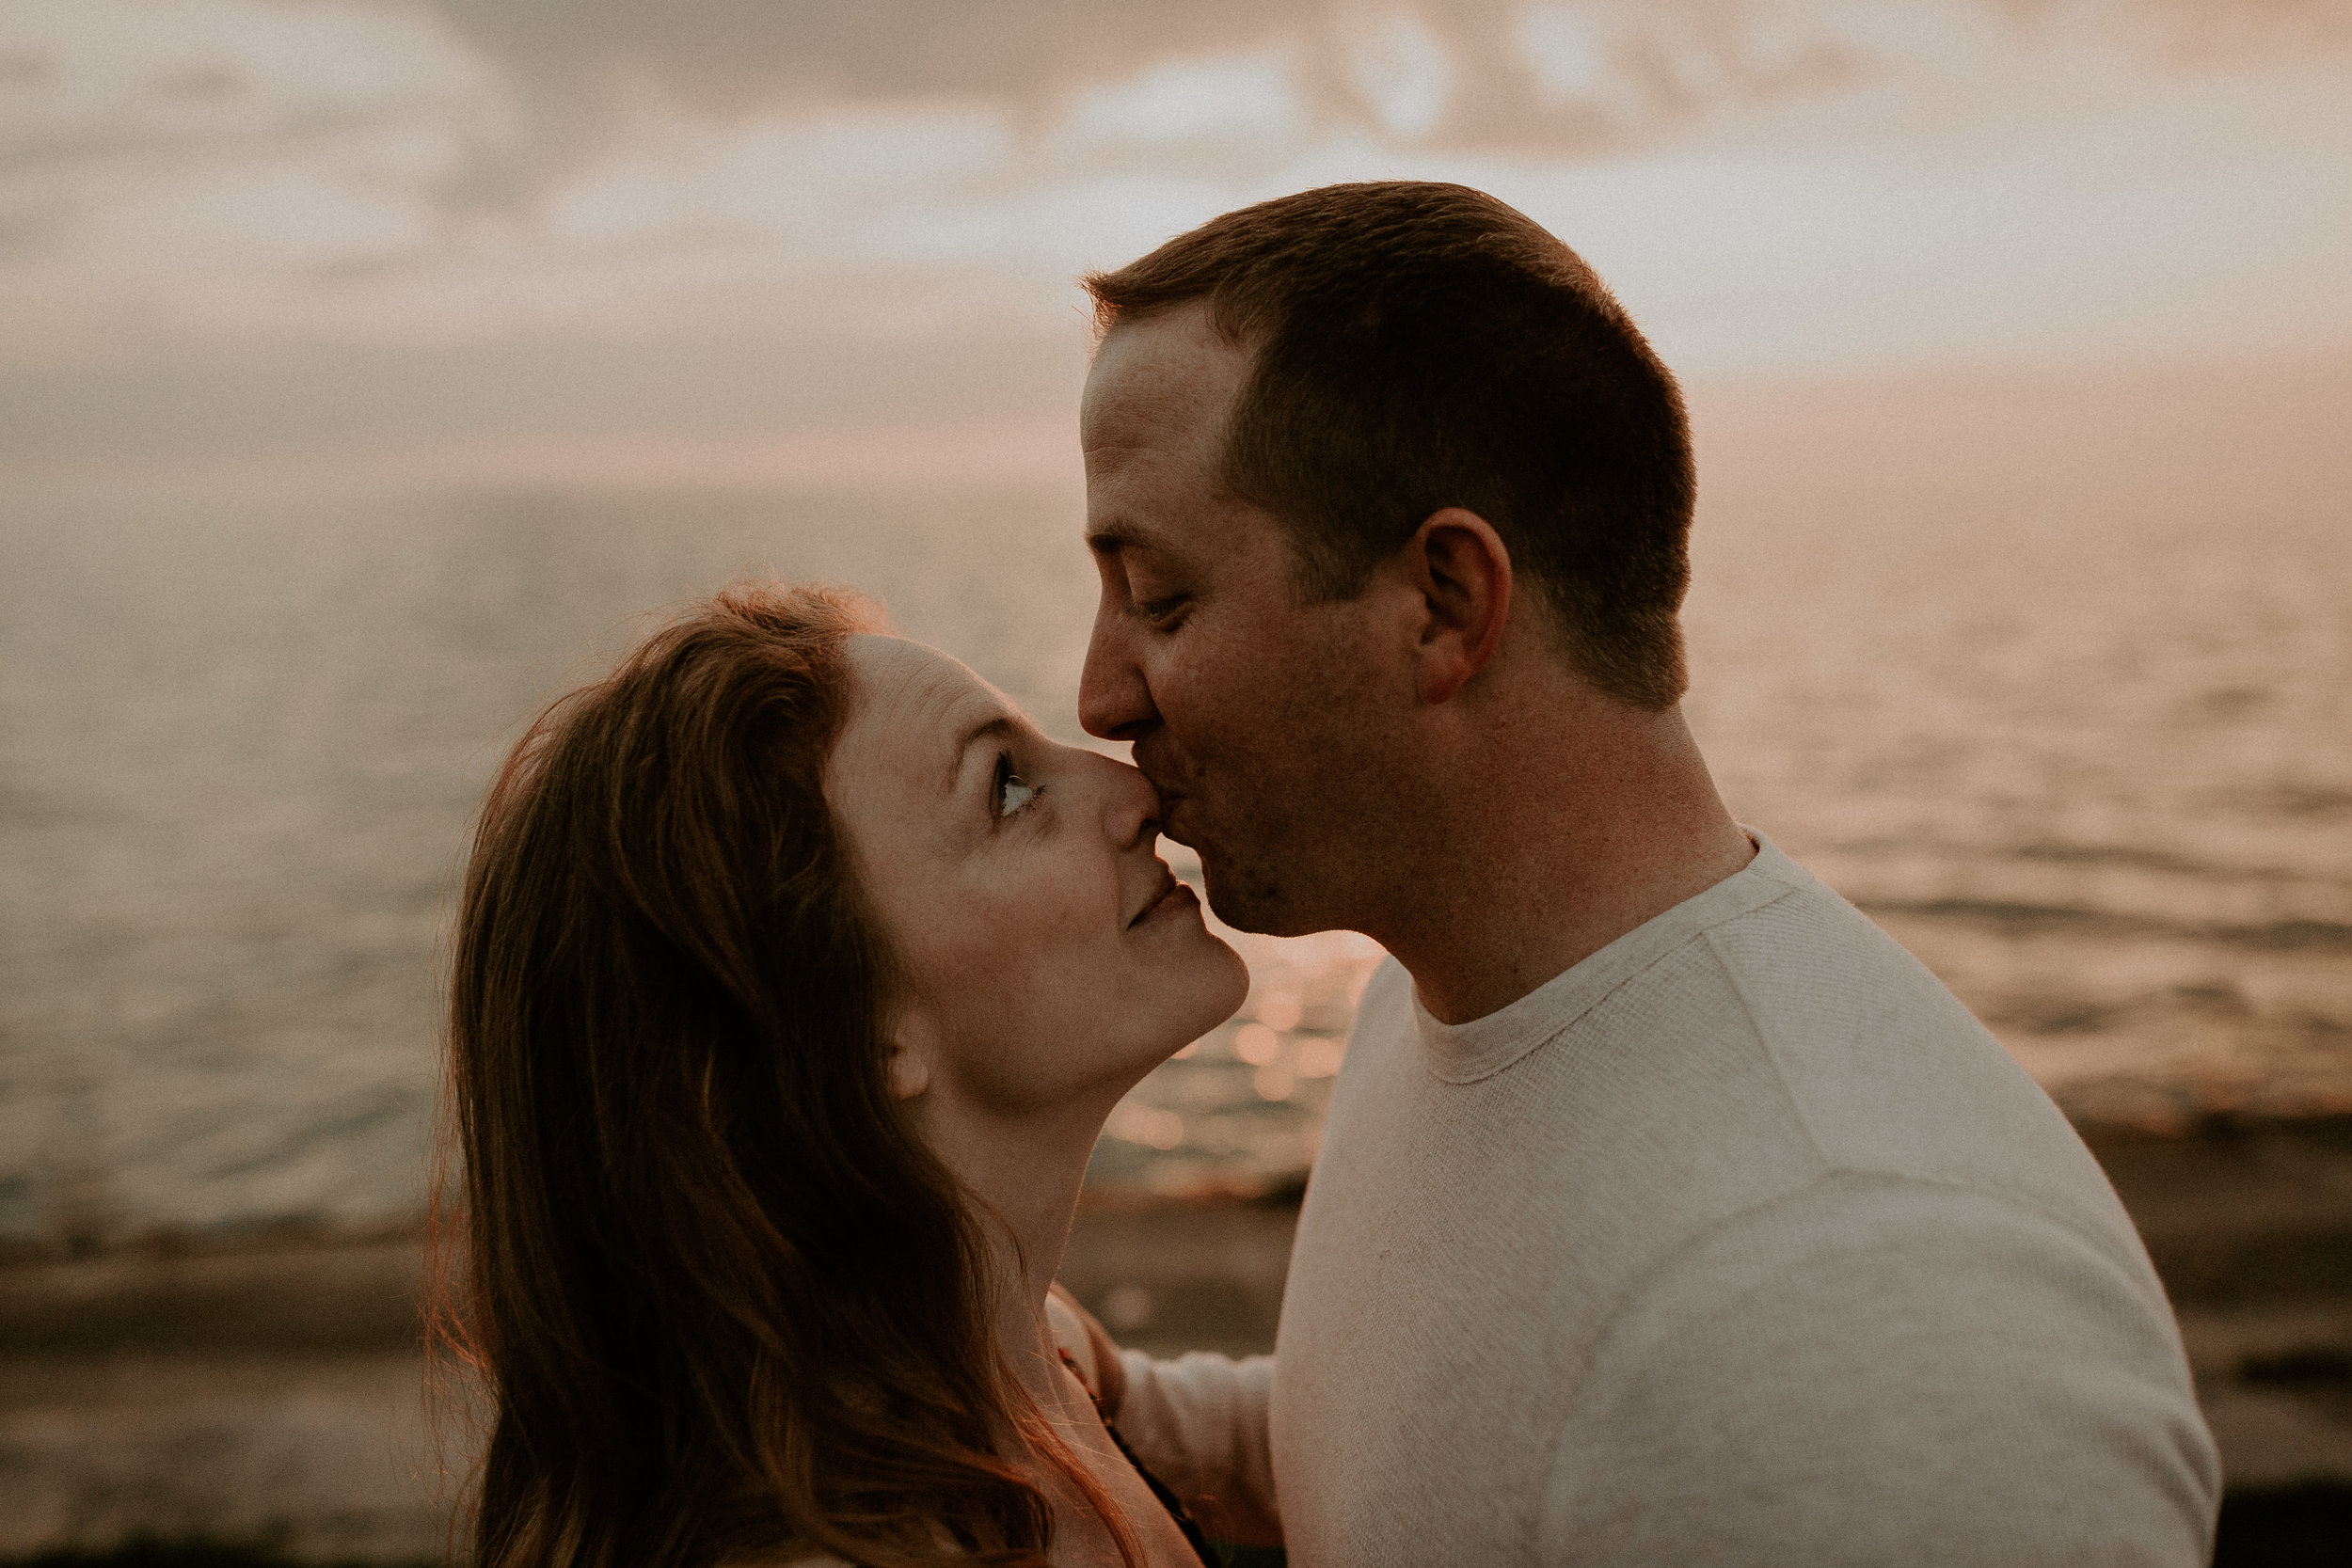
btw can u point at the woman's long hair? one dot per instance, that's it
(721, 1299)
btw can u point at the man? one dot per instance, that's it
(1668, 1212)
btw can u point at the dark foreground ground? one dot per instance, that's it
(231, 1408)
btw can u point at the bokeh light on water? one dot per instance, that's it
(1239, 1112)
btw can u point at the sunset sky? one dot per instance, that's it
(272, 226)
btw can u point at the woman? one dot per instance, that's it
(796, 974)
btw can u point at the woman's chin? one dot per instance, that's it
(1236, 987)
(1223, 987)
(1213, 990)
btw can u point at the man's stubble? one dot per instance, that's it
(1304, 830)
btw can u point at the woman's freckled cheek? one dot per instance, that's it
(984, 926)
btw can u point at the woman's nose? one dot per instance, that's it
(1131, 807)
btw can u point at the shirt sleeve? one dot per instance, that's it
(1879, 1371)
(1199, 1423)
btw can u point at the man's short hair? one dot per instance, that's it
(1420, 346)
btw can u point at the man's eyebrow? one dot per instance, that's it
(998, 724)
(1111, 538)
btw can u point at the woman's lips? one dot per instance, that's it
(1172, 896)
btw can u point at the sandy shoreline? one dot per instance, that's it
(277, 1385)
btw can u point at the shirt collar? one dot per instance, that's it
(1466, 1053)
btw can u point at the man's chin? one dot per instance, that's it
(1243, 898)
(1249, 904)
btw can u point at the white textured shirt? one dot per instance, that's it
(1740, 1242)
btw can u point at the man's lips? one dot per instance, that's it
(1165, 773)
(1171, 826)
(1172, 804)
(1149, 756)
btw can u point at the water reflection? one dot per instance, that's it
(2084, 748)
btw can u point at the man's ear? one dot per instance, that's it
(1463, 570)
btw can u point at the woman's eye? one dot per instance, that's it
(1013, 792)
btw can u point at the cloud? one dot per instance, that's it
(91, 82)
(1249, 95)
(1403, 72)
(1441, 73)
(1768, 182)
(145, 139)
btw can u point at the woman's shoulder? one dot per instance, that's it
(1088, 1348)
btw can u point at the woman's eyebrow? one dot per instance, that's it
(995, 726)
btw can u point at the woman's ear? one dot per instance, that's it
(908, 1069)
(910, 1073)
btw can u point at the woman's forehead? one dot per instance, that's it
(913, 705)
(899, 679)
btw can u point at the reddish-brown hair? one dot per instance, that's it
(721, 1298)
(1418, 346)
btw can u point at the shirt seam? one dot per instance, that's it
(1771, 1054)
(1833, 1165)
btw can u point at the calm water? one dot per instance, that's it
(2092, 760)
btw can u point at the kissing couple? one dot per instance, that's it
(1668, 1212)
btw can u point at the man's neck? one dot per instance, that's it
(1558, 838)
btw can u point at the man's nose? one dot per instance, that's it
(1114, 698)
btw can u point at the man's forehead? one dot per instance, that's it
(1153, 426)
(1168, 378)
